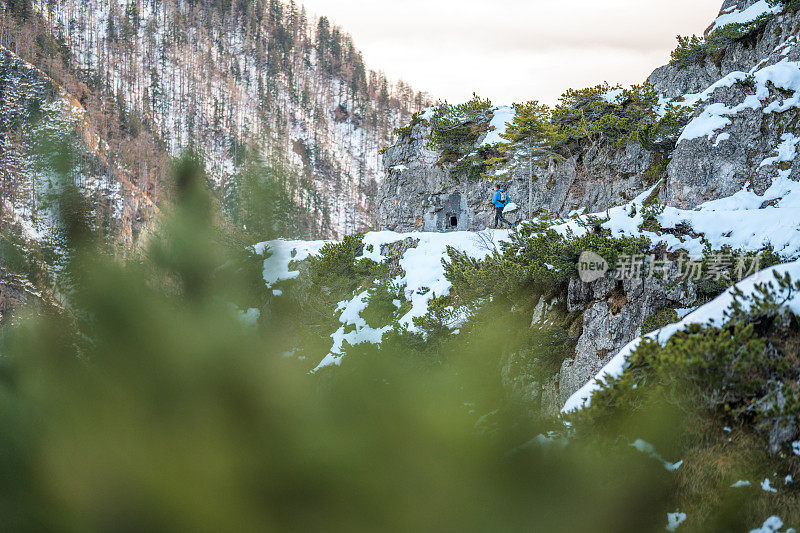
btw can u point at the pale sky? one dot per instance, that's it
(515, 50)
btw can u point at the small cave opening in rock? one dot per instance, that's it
(453, 221)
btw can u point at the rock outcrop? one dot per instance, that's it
(422, 193)
(613, 314)
(744, 78)
(419, 193)
(740, 135)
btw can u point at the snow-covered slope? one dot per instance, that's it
(421, 280)
(737, 222)
(200, 74)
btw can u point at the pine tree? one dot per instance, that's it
(111, 28)
(530, 142)
(20, 8)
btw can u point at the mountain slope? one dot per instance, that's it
(224, 75)
(709, 175)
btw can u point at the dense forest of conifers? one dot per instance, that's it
(229, 78)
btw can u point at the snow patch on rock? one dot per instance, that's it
(282, 254)
(743, 16)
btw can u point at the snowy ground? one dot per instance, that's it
(423, 278)
(717, 223)
(720, 222)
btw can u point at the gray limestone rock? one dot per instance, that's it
(420, 193)
(615, 312)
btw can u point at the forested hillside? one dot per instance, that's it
(230, 78)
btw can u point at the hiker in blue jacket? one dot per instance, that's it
(500, 201)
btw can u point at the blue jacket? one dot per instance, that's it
(498, 199)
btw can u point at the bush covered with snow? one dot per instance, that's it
(339, 267)
(536, 257)
(455, 129)
(619, 116)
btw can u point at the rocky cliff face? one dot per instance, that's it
(33, 107)
(613, 314)
(740, 138)
(419, 193)
(738, 90)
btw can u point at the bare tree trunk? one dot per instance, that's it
(530, 182)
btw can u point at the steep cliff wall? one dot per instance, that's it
(419, 192)
(35, 110)
(746, 113)
(36, 116)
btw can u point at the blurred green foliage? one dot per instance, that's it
(146, 404)
(260, 198)
(141, 400)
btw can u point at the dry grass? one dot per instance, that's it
(714, 461)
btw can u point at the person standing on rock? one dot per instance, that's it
(500, 201)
